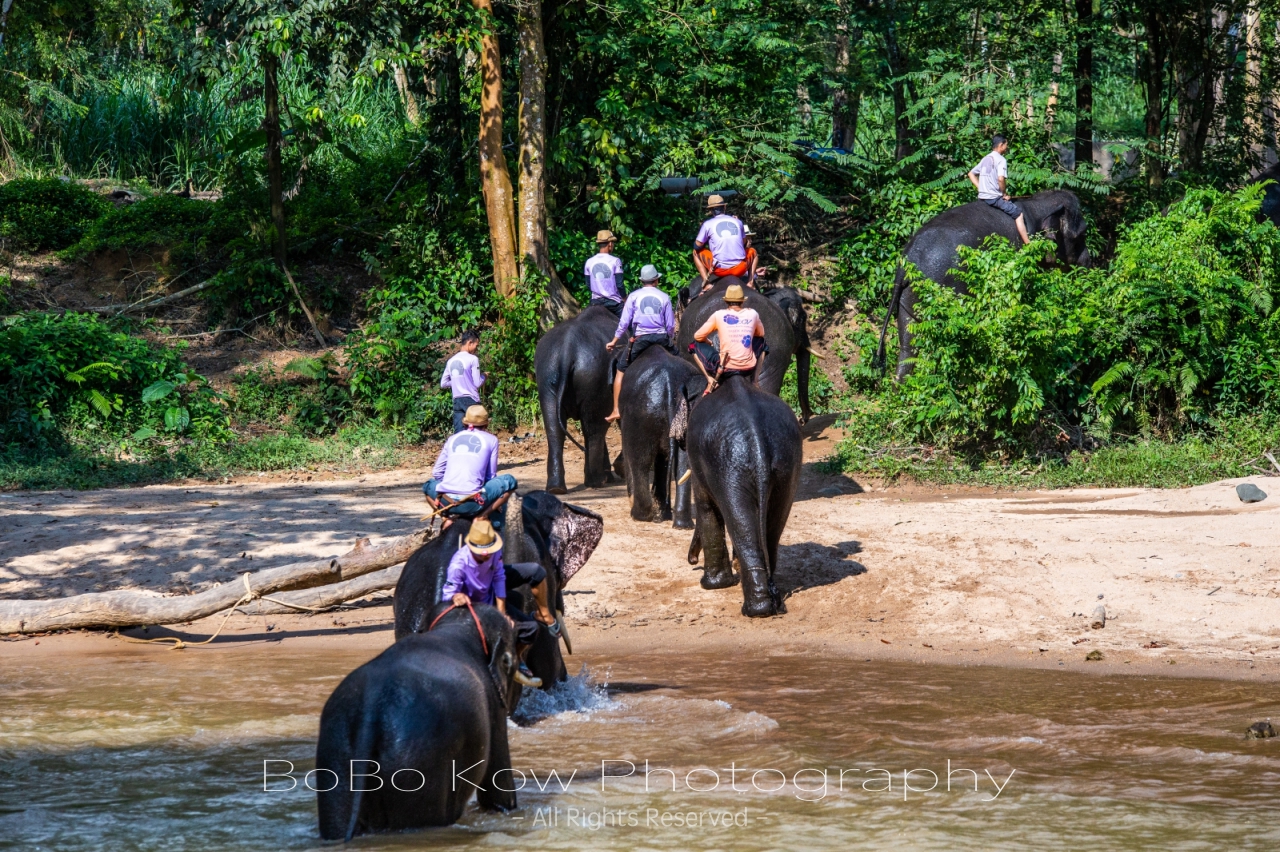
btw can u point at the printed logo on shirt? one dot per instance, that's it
(727, 227)
(602, 270)
(465, 443)
(730, 319)
(456, 368)
(746, 342)
(651, 305)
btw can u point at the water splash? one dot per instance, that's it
(579, 694)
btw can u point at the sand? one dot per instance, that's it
(1190, 578)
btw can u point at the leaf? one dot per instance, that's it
(246, 141)
(176, 418)
(84, 373)
(100, 403)
(157, 390)
(308, 368)
(144, 433)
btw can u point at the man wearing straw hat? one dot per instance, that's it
(604, 274)
(740, 334)
(465, 482)
(647, 320)
(477, 575)
(721, 236)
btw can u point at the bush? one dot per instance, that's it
(50, 213)
(78, 373)
(183, 225)
(314, 401)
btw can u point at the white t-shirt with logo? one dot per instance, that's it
(989, 171)
(723, 235)
(604, 276)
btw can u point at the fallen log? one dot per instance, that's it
(134, 609)
(323, 597)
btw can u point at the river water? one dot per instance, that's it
(150, 752)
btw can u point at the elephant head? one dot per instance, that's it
(495, 637)
(1066, 225)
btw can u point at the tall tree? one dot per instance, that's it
(1084, 82)
(274, 144)
(495, 179)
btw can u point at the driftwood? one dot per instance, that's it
(149, 302)
(133, 609)
(323, 597)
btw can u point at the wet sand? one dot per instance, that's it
(1190, 578)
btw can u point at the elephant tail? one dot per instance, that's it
(362, 751)
(899, 282)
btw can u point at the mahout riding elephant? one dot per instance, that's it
(541, 528)
(655, 390)
(745, 453)
(934, 250)
(395, 731)
(572, 371)
(779, 334)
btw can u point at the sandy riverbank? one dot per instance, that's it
(1190, 578)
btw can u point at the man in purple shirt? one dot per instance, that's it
(467, 467)
(477, 575)
(462, 376)
(604, 274)
(648, 320)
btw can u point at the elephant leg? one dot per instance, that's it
(779, 511)
(662, 485)
(717, 572)
(804, 360)
(554, 428)
(498, 790)
(758, 596)
(905, 350)
(683, 512)
(638, 467)
(597, 473)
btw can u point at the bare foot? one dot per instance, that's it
(545, 617)
(612, 417)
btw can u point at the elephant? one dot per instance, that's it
(431, 705)
(1271, 196)
(542, 529)
(654, 389)
(779, 333)
(934, 251)
(572, 371)
(745, 453)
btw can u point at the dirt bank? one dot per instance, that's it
(1190, 578)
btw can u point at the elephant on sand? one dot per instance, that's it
(934, 249)
(397, 729)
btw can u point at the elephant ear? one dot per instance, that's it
(680, 422)
(575, 534)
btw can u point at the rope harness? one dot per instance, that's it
(484, 643)
(249, 596)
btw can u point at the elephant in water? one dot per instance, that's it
(745, 452)
(779, 333)
(655, 391)
(540, 529)
(934, 250)
(571, 368)
(395, 729)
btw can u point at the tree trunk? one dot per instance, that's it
(901, 129)
(275, 174)
(1253, 79)
(1084, 82)
(1051, 106)
(495, 179)
(1153, 60)
(135, 609)
(535, 257)
(844, 105)
(406, 94)
(451, 99)
(4, 19)
(323, 597)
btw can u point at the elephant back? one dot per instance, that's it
(778, 331)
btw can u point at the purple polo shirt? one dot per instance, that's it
(723, 235)
(467, 461)
(650, 309)
(604, 276)
(482, 580)
(462, 375)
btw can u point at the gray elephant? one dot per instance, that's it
(934, 251)
(572, 371)
(541, 529)
(745, 453)
(779, 334)
(655, 390)
(396, 729)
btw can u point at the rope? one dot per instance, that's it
(484, 643)
(249, 596)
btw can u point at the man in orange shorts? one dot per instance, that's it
(740, 334)
(719, 250)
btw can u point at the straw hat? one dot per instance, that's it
(649, 273)
(715, 201)
(605, 236)
(482, 540)
(733, 293)
(477, 415)
(746, 230)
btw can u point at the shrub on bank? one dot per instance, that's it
(47, 213)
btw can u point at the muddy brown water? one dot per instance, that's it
(141, 752)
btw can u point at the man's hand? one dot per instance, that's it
(460, 599)
(1006, 197)
(611, 344)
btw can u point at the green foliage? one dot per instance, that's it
(77, 373)
(47, 214)
(313, 402)
(183, 226)
(507, 352)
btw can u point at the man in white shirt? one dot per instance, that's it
(989, 178)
